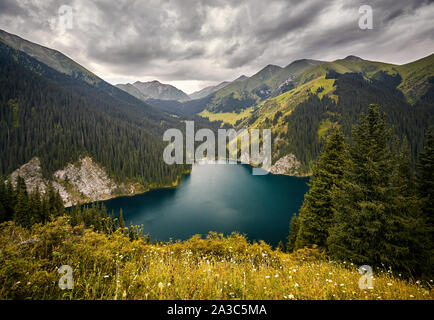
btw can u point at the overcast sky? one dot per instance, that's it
(195, 43)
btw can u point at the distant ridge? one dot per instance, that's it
(154, 90)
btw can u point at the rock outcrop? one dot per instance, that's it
(87, 178)
(81, 182)
(286, 165)
(32, 174)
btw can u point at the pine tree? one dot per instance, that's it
(36, 207)
(3, 200)
(316, 214)
(281, 246)
(363, 200)
(406, 234)
(425, 188)
(425, 180)
(293, 231)
(22, 215)
(121, 220)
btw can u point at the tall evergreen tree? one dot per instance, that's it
(22, 215)
(316, 214)
(406, 234)
(121, 220)
(425, 188)
(425, 180)
(377, 220)
(293, 231)
(362, 202)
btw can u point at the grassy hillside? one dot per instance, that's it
(113, 267)
(227, 117)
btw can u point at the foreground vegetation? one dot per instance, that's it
(112, 266)
(367, 204)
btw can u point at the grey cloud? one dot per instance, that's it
(217, 40)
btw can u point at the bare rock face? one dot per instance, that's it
(32, 174)
(88, 179)
(82, 182)
(286, 165)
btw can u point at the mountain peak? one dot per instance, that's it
(353, 58)
(240, 78)
(155, 90)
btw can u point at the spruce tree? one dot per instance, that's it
(425, 180)
(121, 220)
(425, 188)
(316, 214)
(406, 235)
(363, 199)
(22, 214)
(293, 231)
(280, 246)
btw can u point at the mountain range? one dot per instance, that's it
(154, 90)
(56, 110)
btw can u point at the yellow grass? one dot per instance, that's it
(227, 117)
(112, 267)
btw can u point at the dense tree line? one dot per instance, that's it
(366, 204)
(354, 94)
(58, 118)
(29, 208)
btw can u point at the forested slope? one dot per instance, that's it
(58, 118)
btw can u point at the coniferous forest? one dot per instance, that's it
(368, 203)
(59, 119)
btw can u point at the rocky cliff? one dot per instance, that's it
(80, 182)
(286, 165)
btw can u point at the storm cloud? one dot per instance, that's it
(195, 43)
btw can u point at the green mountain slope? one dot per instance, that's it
(335, 93)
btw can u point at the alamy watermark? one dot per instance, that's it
(252, 150)
(66, 281)
(64, 20)
(366, 20)
(366, 280)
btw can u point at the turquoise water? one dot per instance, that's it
(221, 198)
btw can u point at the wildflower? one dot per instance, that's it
(294, 270)
(291, 296)
(411, 296)
(276, 276)
(169, 284)
(296, 285)
(106, 276)
(342, 284)
(267, 277)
